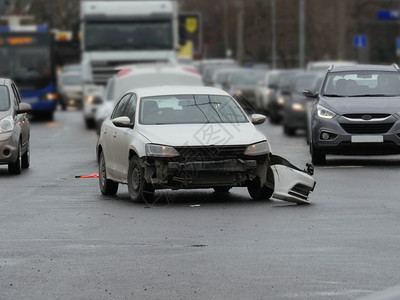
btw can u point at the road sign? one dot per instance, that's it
(190, 27)
(360, 41)
(392, 14)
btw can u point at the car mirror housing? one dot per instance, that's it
(310, 94)
(122, 122)
(24, 108)
(257, 119)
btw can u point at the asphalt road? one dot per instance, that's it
(61, 239)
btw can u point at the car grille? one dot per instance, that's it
(360, 116)
(367, 128)
(210, 153)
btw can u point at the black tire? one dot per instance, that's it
(139, 189)
(222, 189)
(288, 130)
(317, 156)
(107, 186)
(258, 192)
(26, 157)
(90, 123)
(16, 167)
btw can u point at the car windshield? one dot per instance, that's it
(190, 109)
(362, 84)
(4, 98)
(247, 78)
(72, 80)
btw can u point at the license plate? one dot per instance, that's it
(367, 139)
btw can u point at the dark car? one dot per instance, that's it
(280, 85)
(295, 105)
(14, 128)
(356, 112)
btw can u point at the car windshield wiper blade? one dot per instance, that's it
(333, 95)
(371, 95)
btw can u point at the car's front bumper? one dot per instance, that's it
(8, 148)
(361, 142)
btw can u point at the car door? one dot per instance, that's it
(21, 120)
(109, 135)
(123, 139)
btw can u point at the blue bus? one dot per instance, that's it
(27, 57)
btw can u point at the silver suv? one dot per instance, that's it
(14, 128)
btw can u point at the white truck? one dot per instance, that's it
(122, 32)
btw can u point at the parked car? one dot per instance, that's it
(191, 137)
(144, 75)
(70, 89)
(14, 128)
(295, 104)
(356, 112)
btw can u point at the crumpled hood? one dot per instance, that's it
(202, 134)
(388, 105)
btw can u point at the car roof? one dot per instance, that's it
(178, 90)
(134, 70)
(391, 68)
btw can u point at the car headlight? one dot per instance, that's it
(6, 124)
(92, 99)
(154, 150)
(281, 100)
(298, 107)
(258, 149)
(325, 113)
(268, 93)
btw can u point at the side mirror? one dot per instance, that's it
(310, 94)
(124, 122)
(257, 119)
(285, 91)
(272, 86)
(24, 108)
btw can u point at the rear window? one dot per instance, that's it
(4, 98)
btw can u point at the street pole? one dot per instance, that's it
(239, 54)
(273, 33)
(301, 34)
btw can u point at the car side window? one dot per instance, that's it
(119, 109)
(131, 108)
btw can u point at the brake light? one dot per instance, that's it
(192, 70)
(123, 72)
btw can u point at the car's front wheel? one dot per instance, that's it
(26, 158)
(139, 189)
(107, 186)
(16, 167)
(258, 192)
(317, 156)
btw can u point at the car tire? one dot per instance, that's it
(107, 186)
(317, 156)
(26, 157)
(222, 189)
(288, 130)
(258, 192)
(139, 189)
(16, 167)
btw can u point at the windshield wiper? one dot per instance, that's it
(371, 95)
(333, 95)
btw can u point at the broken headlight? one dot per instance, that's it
(260, 148)
(154, 150)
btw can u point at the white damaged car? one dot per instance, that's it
(189, 138)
